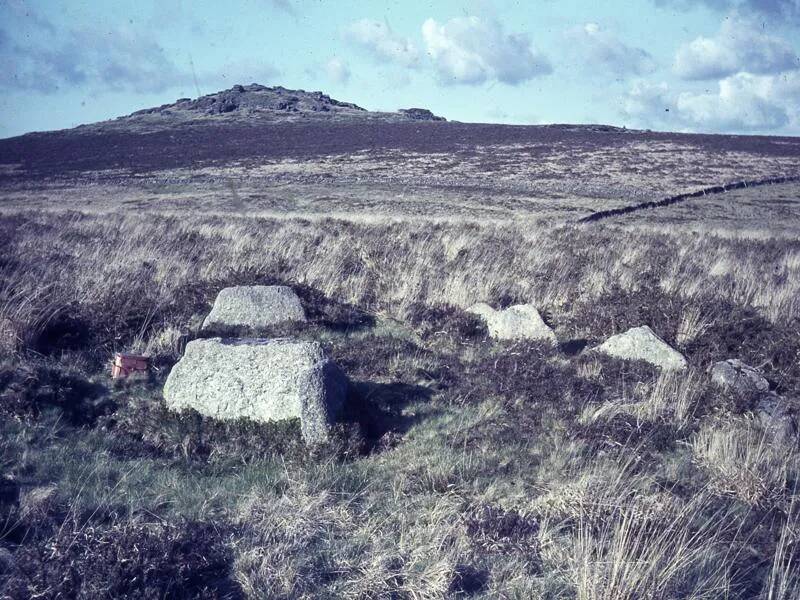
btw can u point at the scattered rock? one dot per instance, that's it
(255, 98)
(519, 322)
(772, 410)
(775, 415)
(420, 114)
(256, 307)
(6, 560)
(38, 502)
(640, 343)
(262, 380)
(8, 337)
(734, 375)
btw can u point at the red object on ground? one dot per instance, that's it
(127, 364)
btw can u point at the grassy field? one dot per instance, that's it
(467, 467)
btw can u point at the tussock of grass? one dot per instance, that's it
(615, 534)
(745, 461)
(672, 399)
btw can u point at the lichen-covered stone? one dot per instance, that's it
(519, 322)
(255, 306)
(640, 343)
(734, 375)
(262, 380)
(775, 414)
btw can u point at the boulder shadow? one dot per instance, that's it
(378, 408)
(64, 333)
(573, 347)
(332, 314)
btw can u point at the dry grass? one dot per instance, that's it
(746, 461)
(309, 545)
(653, 550)
(693, 324)
(498, 471)
(672, 399)
(614, 534)
(783, 581)
(385, 266)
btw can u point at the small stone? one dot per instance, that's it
(774, 414)
(420, 114)
(734, 375)
(256, 306)
(640, 343)
(6, 560)
(262, 380)
(37, 502)
(519, 322)
(8, 337)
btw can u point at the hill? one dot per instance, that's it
(279, 148)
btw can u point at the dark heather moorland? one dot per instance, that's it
(463, 466)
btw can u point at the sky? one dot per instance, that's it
(723, 66)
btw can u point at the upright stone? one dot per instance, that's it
(640, 343)
(255, 306)
(262, 380)
(519, 322)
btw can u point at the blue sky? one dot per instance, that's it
(703, 65)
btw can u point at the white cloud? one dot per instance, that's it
(602, 47)
(741, 103)
(740, 46)
(115, 60)
(382, 42)
(647, 102)
(337, 70)
(745, 102)
(470, 50)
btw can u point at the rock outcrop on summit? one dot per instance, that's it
(256, 98)
(420, 114)
(259, 104)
